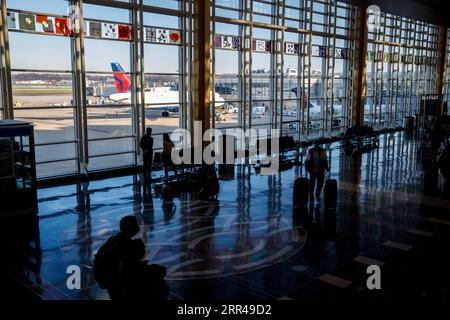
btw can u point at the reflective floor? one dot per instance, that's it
(393, 211)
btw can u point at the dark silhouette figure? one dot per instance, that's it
(139, 280)
(167, 155)
(147, 151)
(316, 164)
(111, 253)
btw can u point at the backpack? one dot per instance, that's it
(106, 262)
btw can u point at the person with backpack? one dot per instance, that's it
(111, 253)
(316, 163)
(138, 280)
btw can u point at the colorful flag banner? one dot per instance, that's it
(227, 42)
(291, 48)
(12, 20)
(45, 24)
(86, 28)
(124, 32)
(322, 51)
(62, 26)
(175, 37)
(259, 45)
(110, 31)
(150, 34)
(95, 29)
(162, 36)
(27, 22)
(218, 41)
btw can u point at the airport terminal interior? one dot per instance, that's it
(312, 139)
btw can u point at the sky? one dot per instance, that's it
(29, 51)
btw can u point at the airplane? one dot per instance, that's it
(160, 98)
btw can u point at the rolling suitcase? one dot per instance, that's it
(331, 194)
(301, 192)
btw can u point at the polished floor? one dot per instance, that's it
(393, 211)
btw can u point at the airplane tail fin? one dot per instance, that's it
(122, 79)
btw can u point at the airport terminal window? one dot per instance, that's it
(163, 73)
(401, 66)
(281, 82)
(42, 85)
(109, 110)
(447, 72)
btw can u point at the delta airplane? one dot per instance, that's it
(160, 98)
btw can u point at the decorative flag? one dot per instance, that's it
(259, 45)
(86, 29)
(150, 34)
(344, 54)
(95, 29)
(44, 24)
(124, 32)
(315, 51)
(27, 22)
(322, 51)
(236, 43)
(110, 31)
(218, 41)
(290, 48)
(162, 36)
(268, 46)
(227, 42)
(12, 20)
(175, 37)
(62, 26)
(338, 53)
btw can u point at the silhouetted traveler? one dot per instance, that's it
(316, 163)
(147, 151)
(438, 135)
(167, 154)
(209, 182)
(111, 253)
(137, 279)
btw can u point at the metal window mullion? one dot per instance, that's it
(282, 65)
(7, 96)
(213, 64)
(84, 118)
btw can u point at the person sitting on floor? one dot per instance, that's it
(108, 257)
(139, 280)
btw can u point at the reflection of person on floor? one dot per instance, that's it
(316, 163)
(147, 151)
(167, 155)
(108, 257)
(137, 279)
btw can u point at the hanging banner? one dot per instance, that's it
(227, 42)
(175, 37)
(261, 46)
(62, 26)
(291, 48)
(95, 29)
(162, 36)
(45, 24)
(110, 31)
(27, 22)
(12, 20)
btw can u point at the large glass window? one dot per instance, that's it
(401, 66)
(41, 72)
(53, 70)
(296, 81)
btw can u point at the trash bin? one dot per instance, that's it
(408, 123)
